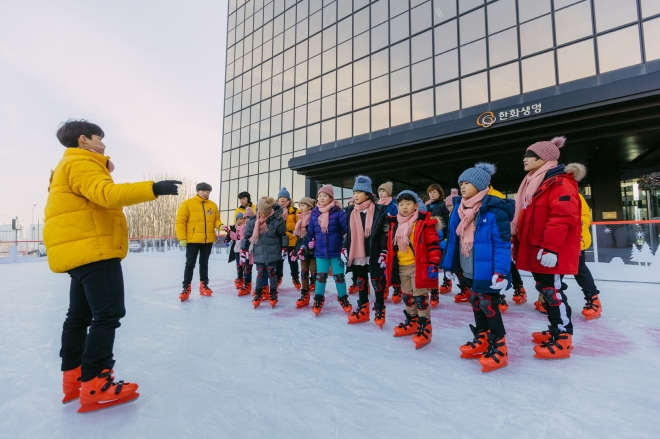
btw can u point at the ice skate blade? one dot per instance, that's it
(273, 303)
(95, 407)
(183, 298)
(380, 325)
(421, 345)
(70, 400)
(357, 322)
(485, 369)
(256, 304)
(540, 357)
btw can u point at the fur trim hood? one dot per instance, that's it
(577, 170)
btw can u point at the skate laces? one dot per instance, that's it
(357, 312)
(493, 350)
(343, 301)
(109, 383)
(379, 313)
(423, 331)
(554, 343)
(318, 302)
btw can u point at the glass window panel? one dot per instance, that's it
(446, 66)
(227, 124)
(650, 7)
(503, 47)
(274, 180)
(288, 100)
(400, 111)
(330, 14)
(301, 52)
(329, 83)
(576, 61)
(447, 98)
(422, 75)
(265, 109)
(422, 47)
(289, 58)
(328, 107)
(573, 22)
(380, 116)
(399, 27)
(473, 57)
(301, 73)
(360, 21)
(400, 82)
(287, 121)
(315, 23)
(504, 81)
(315, 5)
(289, 18)
(300, 139)
(314, 66)
(277, 104)
(315, 45)
(379, 63)
(379, 36)
(328, 131)
(619, 49)
(361, 95)
(443, 10)
(538, 72)
(301, 116)
(558, 4)
(345, 77)
(361, 71)
(420, 18)
(474, 90)
(345, 101)
(264, 129)
(399, 55)
(361, 120)
(254, 132)
(345, 53)
(344, 30)
(253, 181)
(278, 64)
(397, 7)
(313, 135)
(278, 25)
(314, 89)
(245, 117)
(379, 12)
(235, 138)
(286, 141)
(473, 26)
(536, 35)
(422, 105)
(301, 95)
(501, 15)
(380, 89)
(330, 37)
(445, 37)
(245, 135)
(329, 60)
(263, 178)
(278, 44)
(344, 127)
(466, 5)
(613, 13)
(651, 38)
(264, 149)
(276, 124)
(361, 45)
(255, 113)
(268, 31)
(314, 112)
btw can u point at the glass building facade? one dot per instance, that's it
(305, 73)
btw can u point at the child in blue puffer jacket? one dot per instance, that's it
(479, 251)
(325, 234)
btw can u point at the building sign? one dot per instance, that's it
(487, 119)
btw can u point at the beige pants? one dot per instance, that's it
(407, 275)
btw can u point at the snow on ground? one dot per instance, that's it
(213, 367)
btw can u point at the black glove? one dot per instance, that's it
(166, 187)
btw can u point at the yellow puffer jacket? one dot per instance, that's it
(586, 222)
(196, 220)
(242, 210)
(495, 193)
(291, 221)
(84, 220)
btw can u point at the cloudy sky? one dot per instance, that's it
(150, 73)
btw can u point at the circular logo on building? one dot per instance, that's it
(486, 120)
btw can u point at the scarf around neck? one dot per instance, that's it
(467, 212)
(301, 226)
(357, 252)
(285, 210)
(324, 218)
(260, 227)
(406, 223)
(527, 189)
(385, 201)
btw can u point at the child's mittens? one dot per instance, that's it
(382, 259)
(233, 236)
(311, 244)
(344, 255)
(499, 282)
(433, 272)
(547, 258)
(226, 229)
(301, 253)
(183, 243)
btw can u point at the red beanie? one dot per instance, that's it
(327, 189)
(548, 151)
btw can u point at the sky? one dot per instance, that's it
(150, 73)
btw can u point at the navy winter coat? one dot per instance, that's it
(492, 242)
(375, 244)
(327, 245)
(392, 208)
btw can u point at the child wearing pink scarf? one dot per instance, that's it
(307, 261)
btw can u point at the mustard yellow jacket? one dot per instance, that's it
(84, 220)
(586, 222)
(291, 221)
(242, 210)
(197, 220)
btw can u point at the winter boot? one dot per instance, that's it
(185, 294)
(273, 298)
(238, 283)
(71, 384)
(477, 347)
(361, 314)
(541, 337)
(379, 314)
(345, 304)
(503, 306)
(519, 295)
(592, 308)
(296, 283)
(245, 289)
(257, 298)
(497, 356)
(101, 392)
(446, 286)
(396, 295)
(319, 300)
(409, 327)
(204, 289)
(463, 296)
(304, 299)
(424, 333)
(435, 298)
(559, 346)
(353, 289)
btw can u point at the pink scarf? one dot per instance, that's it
(301, 226)
(260, 227)
(527, 189)
(406, 223)
(385, 201)
(285, 211)
(467, 212)
(324, 219)
(357, 251)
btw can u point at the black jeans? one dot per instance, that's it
(361, 272)
(293, 266)
(585, 280)
(96, 300)
(515, 275)
(267, 274)
(486, 311)
(559, 312)
(192, 250)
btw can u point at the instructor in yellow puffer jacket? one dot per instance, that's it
(196, 221)
(86, 235)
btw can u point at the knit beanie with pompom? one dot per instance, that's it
(479, 176)
(265, 205)
(548, 151)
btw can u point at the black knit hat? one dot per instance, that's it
(203, 187)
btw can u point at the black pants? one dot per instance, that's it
(515, 275)
(585, 280)
(192, 250)
(293, 266)
(267, 273)
(361, 273)
(96, 300)
(559, 312)
(239, 269)
(487, 313)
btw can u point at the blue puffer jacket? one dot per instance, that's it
(492, 242)
(327, 245)
(392, 208)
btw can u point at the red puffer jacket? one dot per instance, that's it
(552, 222)
(426, 248)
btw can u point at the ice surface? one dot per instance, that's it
(213, 367)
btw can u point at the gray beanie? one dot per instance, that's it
(363, 184)
(479, 176)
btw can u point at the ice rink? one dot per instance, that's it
(213, 367)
